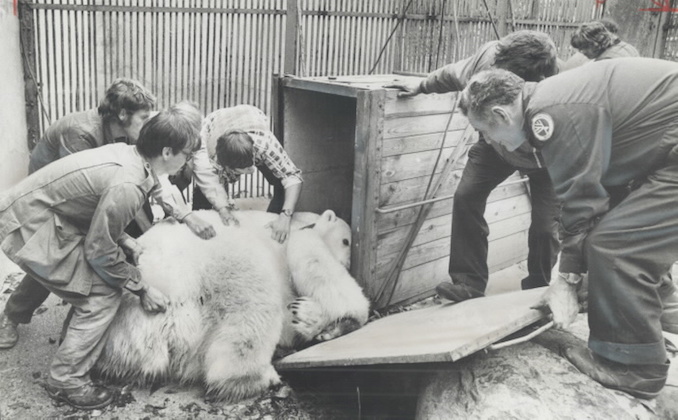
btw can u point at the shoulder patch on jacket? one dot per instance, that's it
(542, 126)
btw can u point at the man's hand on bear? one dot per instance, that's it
(227, 217)
(132, 250)
(280, 227)
(200, 227)
(152, 299)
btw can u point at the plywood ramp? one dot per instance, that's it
(441, 333)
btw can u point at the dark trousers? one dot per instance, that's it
(30, 294)
(484, 170)
(628, 254)
(200, 202)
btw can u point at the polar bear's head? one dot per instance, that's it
(336, 234)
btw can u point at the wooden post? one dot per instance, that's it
(660, 36)
(502, 17)
(278, 109)
(367, 173)
(291, 38)
(400, 37)
(27, 37)
(635, 25)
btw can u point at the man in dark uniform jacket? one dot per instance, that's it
(606, 125)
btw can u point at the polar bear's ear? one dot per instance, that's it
(329, 216)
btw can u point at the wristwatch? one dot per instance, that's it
(287, 212)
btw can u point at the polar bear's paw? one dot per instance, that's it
(307, 317)
(338, 328)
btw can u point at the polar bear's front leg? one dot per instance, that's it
(307, 317)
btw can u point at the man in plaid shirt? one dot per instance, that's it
(237, 140)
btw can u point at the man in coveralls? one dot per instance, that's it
(64, 225)
(609, 124)
(531, 55)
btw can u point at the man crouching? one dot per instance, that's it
(64, 226)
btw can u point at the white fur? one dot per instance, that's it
(220, 328)
(328, 293)
(228, 302)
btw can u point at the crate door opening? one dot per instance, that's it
(319, 132)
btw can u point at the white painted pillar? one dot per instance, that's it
(13, 132)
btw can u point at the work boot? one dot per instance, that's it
(87, 397)
(9, 335)
(532, 282)
(641, 381)
(457, 292)
(669, 318)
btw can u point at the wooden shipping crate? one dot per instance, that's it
(367, 154)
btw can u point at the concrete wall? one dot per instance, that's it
(13, 145)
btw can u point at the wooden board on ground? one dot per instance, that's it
(441, 333)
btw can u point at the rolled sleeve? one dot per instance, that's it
(271, 153)
(116, 209)
(454, 77)
(445, 79)
(207, 179)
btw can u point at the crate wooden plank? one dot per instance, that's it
(440, 247)
(413, 165)
(420, 279)
(420, 104)
(423, 142)
(442, 333)
(494, 212)
(422, 124)
(365, 187)
(504, 252)
(393, 195)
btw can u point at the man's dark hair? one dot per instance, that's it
(126, 94)
(235, 150)
(177, 127)
(532, 55)
(594, 37)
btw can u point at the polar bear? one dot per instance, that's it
(228, 308)
(330, 303)
(223, 321)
